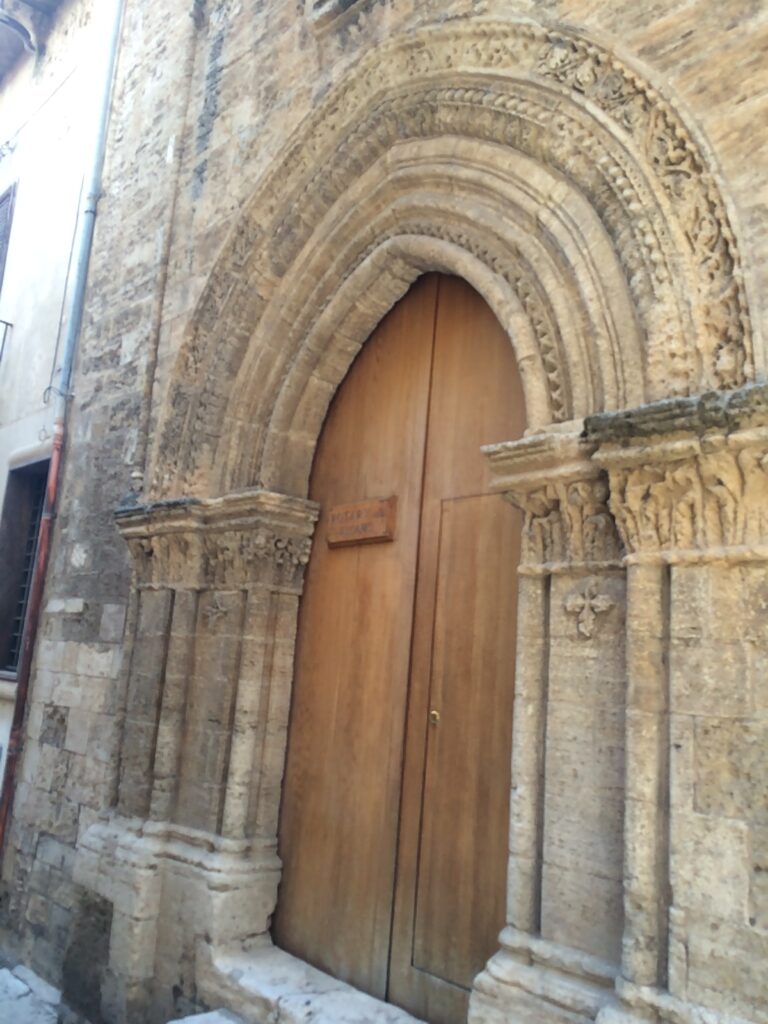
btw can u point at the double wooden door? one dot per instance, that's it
(394, 821)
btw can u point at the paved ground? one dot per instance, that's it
(27, 999)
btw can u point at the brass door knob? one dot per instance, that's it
(434, 716)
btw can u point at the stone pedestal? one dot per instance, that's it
(686, 484)
(189, 856)
(689, 490)
(560, 953)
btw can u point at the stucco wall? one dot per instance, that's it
(47, 113)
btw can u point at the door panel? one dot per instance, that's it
(338, 826)
(466, 787)
(393, 831)
(476, 398)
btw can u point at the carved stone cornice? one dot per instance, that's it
(252, 537)
(564, 499)
(689, 477)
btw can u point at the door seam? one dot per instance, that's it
(406, 709)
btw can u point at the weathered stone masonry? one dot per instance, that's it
(270, 196)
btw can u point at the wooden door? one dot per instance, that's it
(394, 820)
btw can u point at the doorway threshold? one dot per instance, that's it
(266, 985)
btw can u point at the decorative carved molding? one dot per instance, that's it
(564, 500)
(249, 538)
(512, 267)
(564, 102)
(587, 602)
(639, 110)
(508, 982)
(689, 477)
(703, 495)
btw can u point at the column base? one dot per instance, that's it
(643, 1004)
(170, 888)
(534, 981)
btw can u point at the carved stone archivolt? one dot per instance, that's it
(375, 189)
(564, 499)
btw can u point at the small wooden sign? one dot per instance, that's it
(362, 522)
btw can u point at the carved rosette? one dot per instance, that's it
(689, 479)
(564, 499)
(587, 603)
(245, 539)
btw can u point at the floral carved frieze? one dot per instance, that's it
(700, 486)
(564, 500)
(702, 495)
(237, 541)
(638, 109)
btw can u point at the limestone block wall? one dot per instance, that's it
(584, 768)
(719, 737)
(695, 838)
(210, 99)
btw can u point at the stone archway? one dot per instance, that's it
(569, 193)
(556, 142)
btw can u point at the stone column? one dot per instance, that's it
(560, 950)
(189, 859)
(689, 490)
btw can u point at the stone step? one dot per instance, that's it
(20, 1002)
(211, 1017)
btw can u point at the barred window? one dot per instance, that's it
(19, 529)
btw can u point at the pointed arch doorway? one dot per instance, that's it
(394, 818)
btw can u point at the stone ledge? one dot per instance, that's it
(535, 981)
(723, 411)
(637, 1002)
(39, 988)
(27, 999)
(266, 983)
(212, 1017)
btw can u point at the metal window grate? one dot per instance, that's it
(25, 577)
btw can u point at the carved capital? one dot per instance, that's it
(564, 499)
(244, 539)
(689, 478)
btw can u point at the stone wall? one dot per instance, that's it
(48, 112)
(210, 98)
